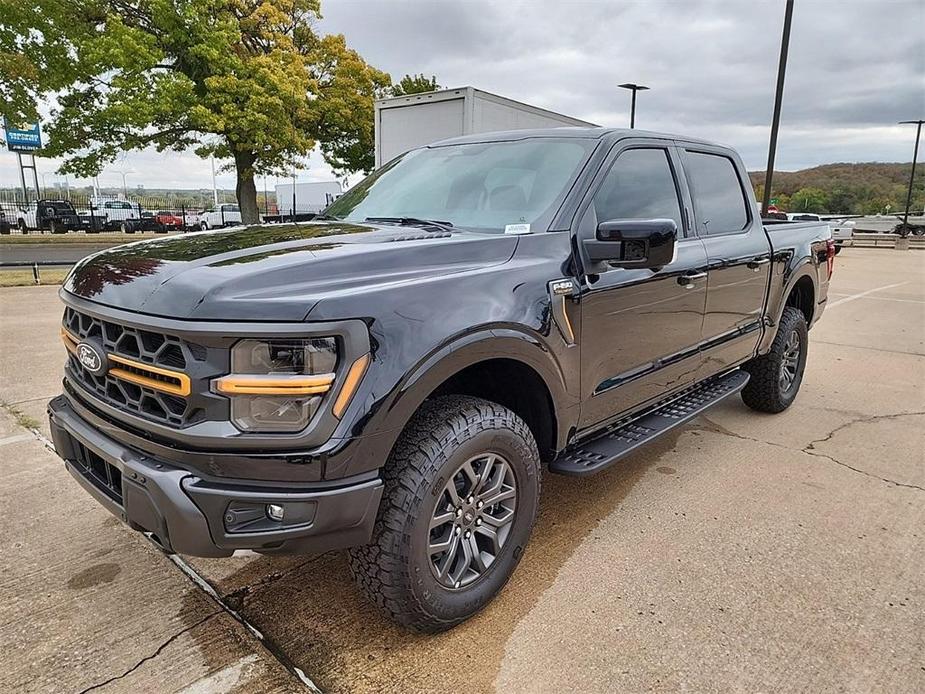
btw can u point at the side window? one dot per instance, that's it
(718, 198)
(639, 185)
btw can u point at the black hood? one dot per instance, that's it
(273, 272)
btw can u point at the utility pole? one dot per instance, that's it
(778, 99)
(915, 155)
(214, 189)
(635, 88)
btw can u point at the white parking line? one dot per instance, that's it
(884, 298)
(854, 297)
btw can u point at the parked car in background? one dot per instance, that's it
(168, 220)
(400, 375)
(842, 227)
(4, 223)
(56, 216)
(192, 220)
(223, 215)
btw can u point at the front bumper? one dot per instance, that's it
(191, 515)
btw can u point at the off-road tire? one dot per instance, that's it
(764, 392)
(394, 570)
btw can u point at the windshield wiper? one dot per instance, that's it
(412, 222)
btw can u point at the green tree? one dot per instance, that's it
(247, 80)
(809, 200)
(415, 84)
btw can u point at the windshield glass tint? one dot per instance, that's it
(483, 186)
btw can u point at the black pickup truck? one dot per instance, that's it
(397, 376)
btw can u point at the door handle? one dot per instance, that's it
(758, 262)
(688, 280)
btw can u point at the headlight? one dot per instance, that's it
(277, 385)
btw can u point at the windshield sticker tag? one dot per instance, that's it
(516, 228)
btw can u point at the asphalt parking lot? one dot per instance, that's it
(744, 552)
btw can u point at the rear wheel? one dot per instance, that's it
(776, 376)
(461, 494)
(204, 226)
(126, 228)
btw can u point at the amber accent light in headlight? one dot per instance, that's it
(357, 369)
(273, 384)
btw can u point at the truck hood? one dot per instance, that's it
(274, 272)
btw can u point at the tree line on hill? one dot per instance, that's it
(866, 188)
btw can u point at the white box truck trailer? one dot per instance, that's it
(406, 122)
(310, 198)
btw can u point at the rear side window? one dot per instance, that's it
(640, 185)
(718, 197)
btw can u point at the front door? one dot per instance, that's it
(640, 328)
(738, 255)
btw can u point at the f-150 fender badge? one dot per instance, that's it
(558, 291)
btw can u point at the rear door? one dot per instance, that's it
(738, 255)
(640, 328)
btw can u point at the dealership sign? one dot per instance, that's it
(23, 139)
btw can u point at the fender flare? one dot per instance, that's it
(468, 349)
(801, 268)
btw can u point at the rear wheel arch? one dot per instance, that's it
(802, 296)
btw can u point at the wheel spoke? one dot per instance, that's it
(492, 535)
(441, 518)
(500, 496)
(447, 562)
(498, 522)
(442, 545)
(463, 566)
(472, 475)
(477, 559)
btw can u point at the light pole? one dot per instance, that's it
(915, 154)
(214, 188)
(778, 99)
(124, 188)
(635, 88)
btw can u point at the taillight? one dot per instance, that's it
(830, 256)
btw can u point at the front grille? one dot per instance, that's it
(104, 476)
(147, 375)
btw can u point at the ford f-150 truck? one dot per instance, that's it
(397, 376)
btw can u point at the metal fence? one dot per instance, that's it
(76, 213)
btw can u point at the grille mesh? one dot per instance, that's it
(146, 347)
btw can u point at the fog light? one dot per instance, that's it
(275, 512)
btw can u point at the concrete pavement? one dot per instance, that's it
(745, 552)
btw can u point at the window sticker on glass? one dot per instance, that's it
(516, 228)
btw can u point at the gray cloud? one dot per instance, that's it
(856, 67)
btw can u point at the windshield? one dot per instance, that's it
(486, 186)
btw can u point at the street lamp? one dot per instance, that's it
(124, 172)
(635, 88)
(778, 101)
(915, 154)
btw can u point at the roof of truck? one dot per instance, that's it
(565, 132)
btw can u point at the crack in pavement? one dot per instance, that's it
(810, 448)
(240, 595)
(153, 655)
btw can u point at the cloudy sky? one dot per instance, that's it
(856, 67)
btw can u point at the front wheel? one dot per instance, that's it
(776, 376)
(204, 226)
(461, 495)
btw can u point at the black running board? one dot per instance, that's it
(619, 441)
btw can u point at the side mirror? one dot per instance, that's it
(634, 243)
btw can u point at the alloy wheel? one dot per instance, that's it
(790, 361)
(472, 519)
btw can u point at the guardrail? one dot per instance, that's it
(863, 239)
